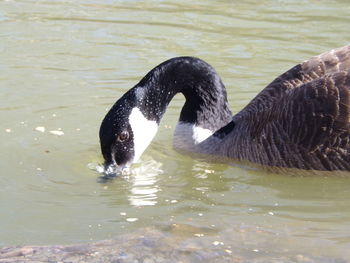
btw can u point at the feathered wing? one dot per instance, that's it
(302, 119)
(316, 118)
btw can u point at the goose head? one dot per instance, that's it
(126, 132)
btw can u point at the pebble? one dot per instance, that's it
(8, 130)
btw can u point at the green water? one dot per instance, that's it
(64, 63)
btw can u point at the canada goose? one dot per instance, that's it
(301, 120)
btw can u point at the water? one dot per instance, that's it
(64, 63)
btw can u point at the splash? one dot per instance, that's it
(142, 177)
(109, 172)
(150, 167)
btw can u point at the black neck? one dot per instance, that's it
(206, 100)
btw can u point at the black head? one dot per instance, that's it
(116, 135)
(127, 129)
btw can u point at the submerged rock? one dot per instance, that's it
(153, 246)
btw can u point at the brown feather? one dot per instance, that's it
(300, 120)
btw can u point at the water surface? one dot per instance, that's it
(64, 63)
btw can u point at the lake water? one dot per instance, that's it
(64, 63)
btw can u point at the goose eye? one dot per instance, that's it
(123, 136)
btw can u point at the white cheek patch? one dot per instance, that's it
(144, 131)
(188, 135)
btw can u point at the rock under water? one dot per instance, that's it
(178, 243)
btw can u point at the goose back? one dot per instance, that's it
(300, 120)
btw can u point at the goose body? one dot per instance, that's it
(300, 120)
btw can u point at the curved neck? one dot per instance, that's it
(206, 103)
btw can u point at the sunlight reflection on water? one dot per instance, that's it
(143, 178)
(144, 188)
